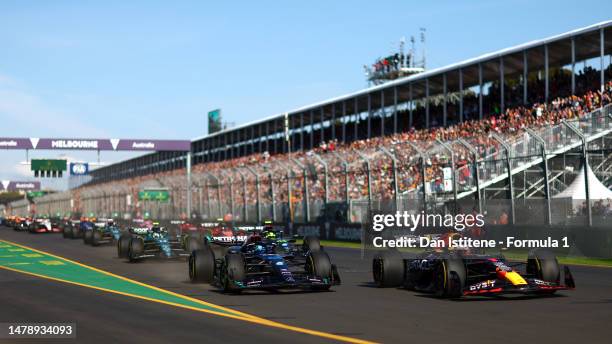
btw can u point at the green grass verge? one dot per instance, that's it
(512, 255)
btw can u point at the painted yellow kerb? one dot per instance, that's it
(239, 315)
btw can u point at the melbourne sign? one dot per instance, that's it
(95, 144)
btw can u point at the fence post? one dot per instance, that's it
(476, 170)
(289, 197)
(423, 159)
(369, 175)
(509, 169)
(244, 195)
(325, 180)
(250, 169)
(306, 197)
(271, 176)
(231, 191)
(545, 165)
(585, 167)
(453, 169)
(395, 182)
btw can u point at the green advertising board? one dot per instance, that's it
(154, 195)
(34, 194)
(48, 165)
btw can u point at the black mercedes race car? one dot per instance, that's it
(104, 231)
(154, 242)
(262, 260)
(460, 273)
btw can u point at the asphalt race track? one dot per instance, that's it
(354, 309)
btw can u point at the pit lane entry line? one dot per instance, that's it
(15, 257)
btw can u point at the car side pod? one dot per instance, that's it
(568, 277)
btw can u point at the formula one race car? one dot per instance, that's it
(190, 234)
(101, 232)
(22, 223)
(263, 261)
(145, 242)
(460, 273)
(71, 229)
(43, 226)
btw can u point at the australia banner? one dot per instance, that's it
(8, 185)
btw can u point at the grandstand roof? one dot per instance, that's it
(431, 73)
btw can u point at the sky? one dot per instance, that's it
(153, 69)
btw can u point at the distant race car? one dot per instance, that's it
(262, 260)
(22, 223)
(71, 229)
(43, 226)
(144, 242)
(460, 273)
(101, 232)
(189, 234)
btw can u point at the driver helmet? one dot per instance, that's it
(259, 249)
(156, 227)
(270, 235)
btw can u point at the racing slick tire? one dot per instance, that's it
(543, 265)
(96, 237)
(233, 270)
(319, 264)
(450, 278)
(311, 243)
(74, 232)
(123, 245)
(66, 232)
(87, 236)
(202, 265)
(135, 249)
(388, 269)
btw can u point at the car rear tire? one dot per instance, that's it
(135, 249)
(311, 243)
(74, 233)
(123, 245)
(543, 265)
(233, 270)
(450, 278)
(319, 265)
(66, 233)
(388, 269)
(202, 265)
(87, 236)
(96, 237)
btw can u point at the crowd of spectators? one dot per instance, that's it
(238, 181)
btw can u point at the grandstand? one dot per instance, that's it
(500, 134)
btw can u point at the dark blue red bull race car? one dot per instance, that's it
(457, 273)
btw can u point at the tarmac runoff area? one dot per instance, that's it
(356, 309)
